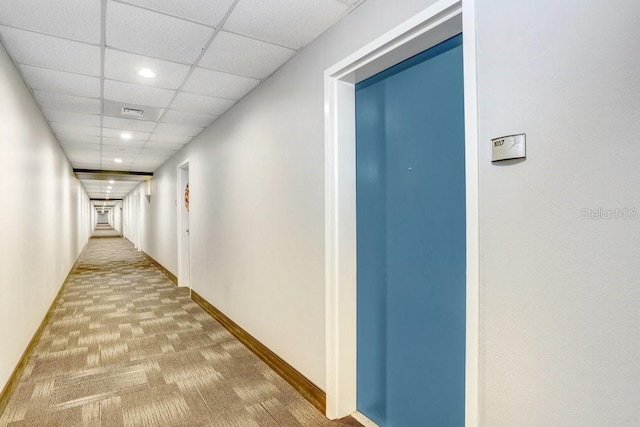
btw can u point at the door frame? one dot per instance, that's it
(431, 26)
(179, 200)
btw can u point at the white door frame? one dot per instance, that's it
(179, 202)
(433, 25)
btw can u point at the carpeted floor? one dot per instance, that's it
(126, 347)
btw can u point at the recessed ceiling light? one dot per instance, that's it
(109, 187)
(117, 160)
(145, 72)
(126, 135)
(111, 181)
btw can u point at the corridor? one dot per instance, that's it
(124, 346)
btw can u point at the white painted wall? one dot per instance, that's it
(117, 217)
(257, 198)
(560, 295)
(37, 250)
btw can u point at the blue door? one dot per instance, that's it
(411, 241)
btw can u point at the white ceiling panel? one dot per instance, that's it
(187, 118)
(124, 66)
(117, 133)
(75, 104)
(218, 84)
(137, 94)
(75, 129)
(85, 89)
(72, 118)
(117, 142)
(155, 152)
(61, 82)
(171, 146)
(51, 52)
(205, 11)
(80, 146)
(85, 155)
(67, 138)
(128, 124)
(201, 104)
(86, 165)
(173, 139)
(291, 23)
(122, 152)
(245, 56)
(152, 34)
(165, 128)
(72, 19)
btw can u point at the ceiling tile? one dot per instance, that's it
(152, 34)
(174, 139)
(61, 82)
(116, 133)
(220, 85)
(245, 56)
(51, 52)
(128, 124)
(118, 142)
(171, 146)
(165, 128)
(187, 118)
(72, 118)
(72, 19)
(76, 104)
(68, 138)
(291, 23)
(124, 66)
(205, 11)
(75, 129)
(83, 155)
(137, 94)
(201, 104)
(156, 152)
(122, 152)
(86, 165)
(80, 146)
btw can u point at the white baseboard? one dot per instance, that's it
(366, 422)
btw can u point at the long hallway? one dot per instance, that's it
(124, 346)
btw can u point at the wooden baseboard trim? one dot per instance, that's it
(161, 267)
(8, 389)
(306, 388)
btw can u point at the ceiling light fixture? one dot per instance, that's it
(111, 181)
(117, 160)
(147, 73)
(126, 135)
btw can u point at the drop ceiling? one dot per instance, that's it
(82, 58)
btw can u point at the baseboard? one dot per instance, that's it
(8, 389)
(362, 419)
(161, 267)
(306, 388)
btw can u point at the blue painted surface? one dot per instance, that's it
(411, 241)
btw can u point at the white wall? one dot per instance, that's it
(257, 198)
(560, 295)
(117, 217)
(37, 251)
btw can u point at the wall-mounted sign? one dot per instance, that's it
(509, 147)
(186, 197)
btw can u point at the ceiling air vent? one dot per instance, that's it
(132, 112)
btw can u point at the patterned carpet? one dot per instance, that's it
(126, 347)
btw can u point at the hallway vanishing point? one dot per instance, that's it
(124, 346)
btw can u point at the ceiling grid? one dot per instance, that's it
(183, 64)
